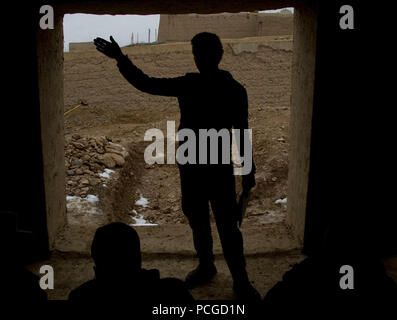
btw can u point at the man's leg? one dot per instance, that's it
(196, 209)
(224, 206)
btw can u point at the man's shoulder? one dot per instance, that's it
(233, 82)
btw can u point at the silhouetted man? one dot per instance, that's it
(119, 277)
(210, 99)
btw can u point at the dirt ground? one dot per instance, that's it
(160, 183)
(124, 115)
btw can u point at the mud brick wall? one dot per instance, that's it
(182, 27)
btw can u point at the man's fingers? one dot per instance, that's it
(100, 46)
(104, 50)
(101, 41)
(100, 50)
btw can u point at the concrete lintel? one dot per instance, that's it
(171, 6)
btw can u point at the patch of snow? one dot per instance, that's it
(106, 174)
(92, 198)
(86, 205)
(281, 201)
(140, 221)
(143, 202)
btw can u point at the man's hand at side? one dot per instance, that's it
(110, 49)
(248, 182)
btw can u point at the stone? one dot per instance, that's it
(107, 160)
(92, 143)
(79, 145)
(95, 181)
(118, 159)
(100, 141)
(76, 162)
(95, 167)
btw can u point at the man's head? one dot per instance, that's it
(116, 251)
(207, 50)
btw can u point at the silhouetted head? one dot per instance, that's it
(207, 50)
(116, 251)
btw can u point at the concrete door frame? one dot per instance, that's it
(50, 77)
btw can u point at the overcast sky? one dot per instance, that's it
(86, 27)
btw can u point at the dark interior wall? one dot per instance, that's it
(21, 159)
(348, 184)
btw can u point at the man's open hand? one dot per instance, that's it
(110, 49)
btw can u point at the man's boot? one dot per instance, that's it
(245, 291)
(202, 274)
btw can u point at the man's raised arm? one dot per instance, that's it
(135, 76)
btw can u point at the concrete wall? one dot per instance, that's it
(303, 67)
(50, 75)
(183, 27)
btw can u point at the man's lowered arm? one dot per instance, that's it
(248, 180)
(241, 122)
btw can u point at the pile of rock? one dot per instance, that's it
(86, 158)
